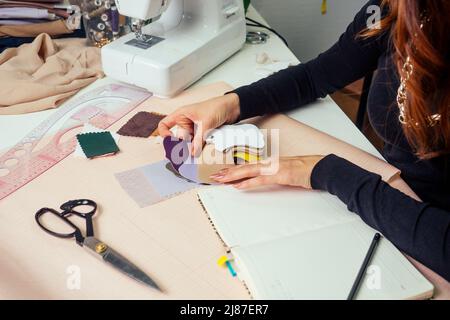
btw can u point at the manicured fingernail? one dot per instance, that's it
(216, 176)
(223, 172)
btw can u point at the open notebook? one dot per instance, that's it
(294, 244)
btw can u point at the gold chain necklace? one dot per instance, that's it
(402, 94)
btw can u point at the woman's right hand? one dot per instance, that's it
(198, 119)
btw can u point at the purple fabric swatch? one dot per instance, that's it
(177, 151)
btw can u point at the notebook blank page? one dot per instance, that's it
(323, 264)
(244, 218)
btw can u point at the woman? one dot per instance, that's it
(409, 107)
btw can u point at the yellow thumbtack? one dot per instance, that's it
(222, 260)
(225, 261)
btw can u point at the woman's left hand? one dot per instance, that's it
(292, 171)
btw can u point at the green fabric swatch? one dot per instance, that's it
(96, 144)
(246, 5)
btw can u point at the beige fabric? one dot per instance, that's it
(53, 28)
(43, 74)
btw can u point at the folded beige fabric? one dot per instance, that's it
(42, 74)
(53, 28)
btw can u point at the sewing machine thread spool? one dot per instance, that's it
(114, 18)
(88, 7)
(96, 18)
(107, 4)
(96, 12)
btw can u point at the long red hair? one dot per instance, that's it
(429, 51)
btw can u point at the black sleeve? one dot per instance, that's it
(418, 229)
(350, 59)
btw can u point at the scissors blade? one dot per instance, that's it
(119, 262)
(124, 265)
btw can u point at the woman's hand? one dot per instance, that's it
(292, 171)
(204, 116)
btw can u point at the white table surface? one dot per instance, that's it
(240, 69)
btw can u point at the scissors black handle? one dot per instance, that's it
(70, 208)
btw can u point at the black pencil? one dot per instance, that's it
(362, 270)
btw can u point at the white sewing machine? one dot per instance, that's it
(190, 38)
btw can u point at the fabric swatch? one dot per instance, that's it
(153, 183)
(141, 125)
(165, 183)
(177, 151)
(237, 136)
(137, 186)
(96, 144)
(199, 169)
(88, 128)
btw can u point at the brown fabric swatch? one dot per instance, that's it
(142, 125)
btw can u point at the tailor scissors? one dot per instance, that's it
(86, 209)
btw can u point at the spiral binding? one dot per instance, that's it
(228, 249)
